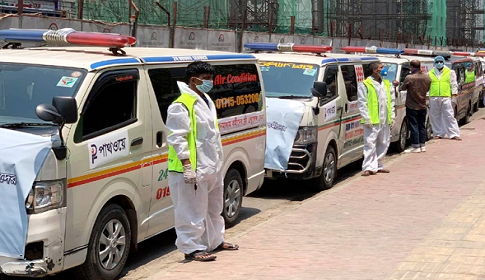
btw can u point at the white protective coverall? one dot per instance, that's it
(198, 221)
(441, 113)
(377, 138)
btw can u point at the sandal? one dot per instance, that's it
(199, 255)
(226, 246)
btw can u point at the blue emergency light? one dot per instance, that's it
(373, 50)
(287, 47)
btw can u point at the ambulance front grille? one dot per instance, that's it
(299, 161)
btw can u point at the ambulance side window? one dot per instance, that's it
(460, 73)
(111, 104)
(405, 70)
(367, 70)
(164, 82)
(330, 78)
(350, 80)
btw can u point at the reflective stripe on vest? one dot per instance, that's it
(373, 103)
(440, 87)
(174, 163)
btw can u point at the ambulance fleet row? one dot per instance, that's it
(83, 142)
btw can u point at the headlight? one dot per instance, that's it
(46, 195)
(306, 135)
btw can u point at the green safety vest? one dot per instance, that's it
(373, 103)
(440, 87)
(174, 163)
(470, 76)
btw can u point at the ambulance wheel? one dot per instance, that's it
(329, 172)
(233, 195)
(400, 144)
(429, 130)
(466, 118)
(108, 247)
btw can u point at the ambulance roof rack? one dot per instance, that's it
(66, 36)
(287, 47)
(372, 50)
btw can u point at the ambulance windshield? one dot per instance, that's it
(24, 86)
(287, 79)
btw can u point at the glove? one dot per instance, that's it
(189, 175)
(368, 124)
(393, 122)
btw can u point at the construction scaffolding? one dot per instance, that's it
(435, 22)
(465, 22)
(404, 20)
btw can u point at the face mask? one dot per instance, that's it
(439, 65)
(206, 86)
(383, 72)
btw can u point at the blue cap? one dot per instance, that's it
(439, 57)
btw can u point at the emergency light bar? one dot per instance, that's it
(480, 54)
(287, 47)
(373, 50)
(66, 36)
(445, 54)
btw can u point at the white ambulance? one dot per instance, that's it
(398, 67)
(101, 186)
(314, 124)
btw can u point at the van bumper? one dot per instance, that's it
(301, 165)
(44, 252)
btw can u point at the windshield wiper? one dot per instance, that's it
(23, 124)
(292, 97)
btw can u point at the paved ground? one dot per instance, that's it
(424, 220)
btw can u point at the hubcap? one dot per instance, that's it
(112, 244)
(329, 167)
(232, 198)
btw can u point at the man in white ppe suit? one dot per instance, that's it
(376, 105)
(195, 160)
(442, 95)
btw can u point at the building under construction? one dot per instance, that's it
(435, 22)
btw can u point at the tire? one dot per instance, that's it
(233, 196)
(400, 144)
(329, 172)
(466, 118)
(118, 239)
(429, 130)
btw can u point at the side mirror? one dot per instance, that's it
(319, 89)
(395, 83)
(48, 113)
(67, 107)
(63, 110)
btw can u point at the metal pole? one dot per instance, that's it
(172, 43)
(80, 9)
(243, 26)
(166, 12)
(292, 25)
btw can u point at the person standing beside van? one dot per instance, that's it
(376, 105)
(417, 85)
(195, 161)
(444, 88)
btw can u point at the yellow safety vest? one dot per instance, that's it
(470, 76)
(174, 163)
(373, 103)
(440, 87)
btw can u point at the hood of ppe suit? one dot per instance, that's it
(208, 138)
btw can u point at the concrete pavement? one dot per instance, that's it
(424, 220)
